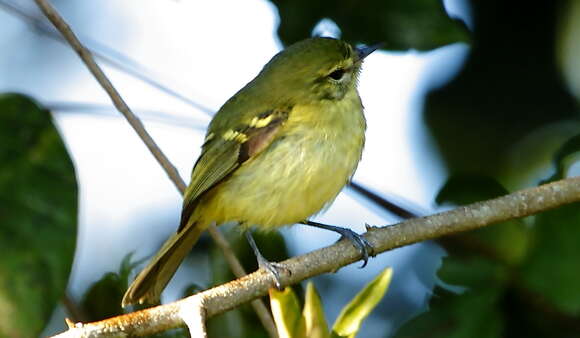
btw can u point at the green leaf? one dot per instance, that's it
(464, 189)
(507, 242)
(103, 299)
(552, 268)
(473, 272)
(286, 311)
(349, 321)
(567, 155)
(313, 324)
(476, 119)
(401, 24)
(38, 214)
(472, 314)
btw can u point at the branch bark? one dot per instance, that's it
(230, 295)
(87, 58)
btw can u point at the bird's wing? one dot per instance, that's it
(223, 152)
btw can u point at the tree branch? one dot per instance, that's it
(87, 58)
(230, 295)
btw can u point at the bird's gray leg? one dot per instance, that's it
(273, 267)
(359, 242)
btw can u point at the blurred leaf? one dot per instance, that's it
(552, 267)
(506, 242)
(103, 299)
(568, 46)
(464, 189)
(494, 302)
(401, 24)
(286, 312)
(350, 318)
(473, 272)
(516, 280)
(38, 214)
(565, 157)
(553, 259)
(313, 323)
(509, 87)
(470, 315)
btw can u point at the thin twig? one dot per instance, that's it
(147, 115)
(118, 101)
(138, 73)
(382, 202)
(59, 23)
(232, 294)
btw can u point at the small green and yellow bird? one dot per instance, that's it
(276, 153)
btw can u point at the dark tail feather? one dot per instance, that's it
(148, 285)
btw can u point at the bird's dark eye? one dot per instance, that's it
(337, 74)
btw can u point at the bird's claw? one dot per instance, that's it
(361, 243)
(274, 269)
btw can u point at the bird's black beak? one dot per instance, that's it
(364, 51)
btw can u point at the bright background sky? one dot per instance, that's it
(207, 51)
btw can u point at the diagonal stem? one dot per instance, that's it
(87, 58)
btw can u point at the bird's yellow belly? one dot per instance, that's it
(300, 175)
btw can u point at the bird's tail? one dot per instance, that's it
(148, 285)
